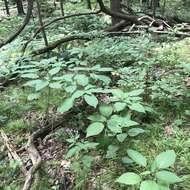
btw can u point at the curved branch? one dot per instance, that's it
(59, 42)
(130, 18)
(21, 28)
(53, 21)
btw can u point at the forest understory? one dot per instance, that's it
(94, 95)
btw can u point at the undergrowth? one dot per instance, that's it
(130, 103)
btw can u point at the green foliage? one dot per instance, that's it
(155, 178)
(123, 93)
(17, 126)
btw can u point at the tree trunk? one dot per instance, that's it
(41, 23)
(61, 7)
(115, 6)
(154, 5)
(7, 7)
(20, 8)
(89, 6)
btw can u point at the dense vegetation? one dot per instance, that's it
(95, 99)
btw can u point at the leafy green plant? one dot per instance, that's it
(157, 177)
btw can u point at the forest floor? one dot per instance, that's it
(157, 66)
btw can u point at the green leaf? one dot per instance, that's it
(97, 117)
(127, 160)
(91, 100)
(168, 177)
(114, 124)
(94, 129)
(121, 137)
(66, 105)
(119, 106)
(41, 84)
(129, 178)
(163, 187)
(54, 70)
(77, 94)
(128, 122)
(165, 159)
(89, 145)
(137, 107)
(145, 173)
(105, 79)
(30, 75)
(106, 110)
(135, 92)
(55, 85)
(32, 83)
(149, 185)
(33, 96)
(81, 79)
(137, 157)
(135, 131)
(74, 150)
(70, 89)
(112, 150)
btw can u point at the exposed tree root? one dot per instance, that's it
(33, 152)
(36, 161)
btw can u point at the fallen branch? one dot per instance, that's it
(88, 37)
(177, 34)
(53, 21)
(11, 150)
(59, 42)
(117, 27)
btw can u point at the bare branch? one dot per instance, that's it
(53, 21)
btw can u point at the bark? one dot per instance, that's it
(129, 18)
(59, 42)
(20, 8)
(89, 6)
(115, 6)
(61, 7)
(154, 5)
(117, 27)
(7, 7)
(41, 23)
